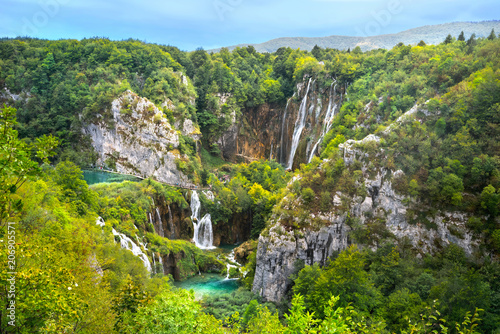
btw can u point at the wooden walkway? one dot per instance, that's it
(176, 185)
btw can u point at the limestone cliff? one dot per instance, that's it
(139, 140)
(267, 131)
(380, 211)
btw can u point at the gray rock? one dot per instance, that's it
(141, 140)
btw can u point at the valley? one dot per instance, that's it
(296, 191)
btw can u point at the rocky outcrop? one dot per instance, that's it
(278, 252)
(236, 230)
(171, 221)
(243, 251)
(381, 210)
(139, 140)
(266, 131)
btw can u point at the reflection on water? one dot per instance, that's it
(94, 177)
(208, 284)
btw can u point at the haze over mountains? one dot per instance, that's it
(432, 34)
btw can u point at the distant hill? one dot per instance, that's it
(433, 34)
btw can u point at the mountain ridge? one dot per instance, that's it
(431, 34)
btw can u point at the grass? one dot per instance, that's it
(210, 161)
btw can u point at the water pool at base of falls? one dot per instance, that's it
(211, 284)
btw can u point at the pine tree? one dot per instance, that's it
(461, 37)
(448, 39)
(492, 35)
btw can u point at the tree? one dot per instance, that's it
(448, 39)
(16, 164)
(422, 43)
(490, 200)
(492, 35)
(461, 37)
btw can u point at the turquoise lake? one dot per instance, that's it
(94, 177)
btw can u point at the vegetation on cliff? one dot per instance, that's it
(73, 276)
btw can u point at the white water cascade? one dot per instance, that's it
(231, 259)
(203, 233)
(171, 223)
(128, 244)
(299, 126)
(162, 232)
(154, 264)
(328, 121)
(161, 264)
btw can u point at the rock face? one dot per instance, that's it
(266, 131)
(139, 140)
(278, 252)
(393, 215)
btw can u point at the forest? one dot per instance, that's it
(73, 276)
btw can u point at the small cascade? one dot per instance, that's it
(328, 121)
(154, 264)
(271, 153)
(161, 231)
(160, 260)
(203, 233)
(100, 222)
(299, 126)
(171, 223)
(231, 259)
(128, 244)
(150, 218)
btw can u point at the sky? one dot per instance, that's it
(190, 24)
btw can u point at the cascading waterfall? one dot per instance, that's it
(171, 223)
(203, 233)
(160, 259)
(162, 232)
(327, 123)
(128, 244)
(154, 264)
(231, 259)
(299, 126)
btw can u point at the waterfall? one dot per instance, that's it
(195, 207)
(161, 231)
(271, 153)
(203, 233)
(154, 264)
(128, 244)
(160, 260)
(171, 223)
(299, 126)
(328, 121)
(230, 259)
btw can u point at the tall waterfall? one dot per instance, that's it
(161, 231)
(128, 244)
(203, 233)
(299, 126)
(327, 123)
